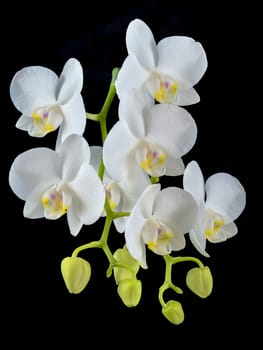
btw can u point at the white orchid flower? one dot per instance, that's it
(221, 200)
(160, 219)
(56, 183)
(48, 102)
(167, 70)
(148, 140)
(121, 197)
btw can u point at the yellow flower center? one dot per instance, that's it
(151, 158)
(46, 119)
(53, 203)
(214, 223)
(166, 92)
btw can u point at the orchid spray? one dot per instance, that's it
(120, 180)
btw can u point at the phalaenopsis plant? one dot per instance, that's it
(120, 179)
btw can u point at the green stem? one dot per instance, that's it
(106, 106)
(177, 259)
(120, 214)
(110, 216)
(169, 262)
(95, 244)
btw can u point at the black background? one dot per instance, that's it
(38, 308)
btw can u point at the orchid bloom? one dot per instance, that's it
(120, 196)
(159, 220)
(48, 102)
(167, 70)
(221, 199)
(148, 140)
(55, 183)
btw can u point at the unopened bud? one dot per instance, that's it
(173, 311)
(130, 291)
(123, 256)
(76, 273)
(200, 281)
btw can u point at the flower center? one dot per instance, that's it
(46, 119)
(162, 88)
(113, 194)
(151, 158)
(55, 202)
(157, 236)
(214, 222)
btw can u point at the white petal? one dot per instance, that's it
(176, 208)
(33, 210)
(145, 203)
(120, 224)
(89, 195)
(36, 167)
(95, 159)
(198, 240)
(74, 117)
(25, 122)
(131, 109)
(131, 75)
(182, 58)
(116, 149)
(74, 222)
(33, 207)
(187, 97)
(174, 166)
(70, 80)
(135, 222)
(226, 231)
(193, 181)
(95, 156)
(225, 196)
(33, 87)
(172, 127)
(177, 242)
(141, 43)
(74, 152)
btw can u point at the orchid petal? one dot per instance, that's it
(33, 209)
(89, 194)
(193, 181)
(116, 147)
(174, 166)
(74, 222)
(131, 75)
(74, 118)
(176, 208)
(141, 43)
(198, 239)
(141, 211)
(226, 231)
(172, 127)
(70, 80)
(24, 122)
(182, 58)
(131, 107)
(74, 152)
(95, 156)
(32, 87)
(36, 167)
(225, 196)
(187, 97)
(177, 242)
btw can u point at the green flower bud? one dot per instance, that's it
(173, 311)
(123, 256)
(200, 281)
(130, 291)
(76, 273)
